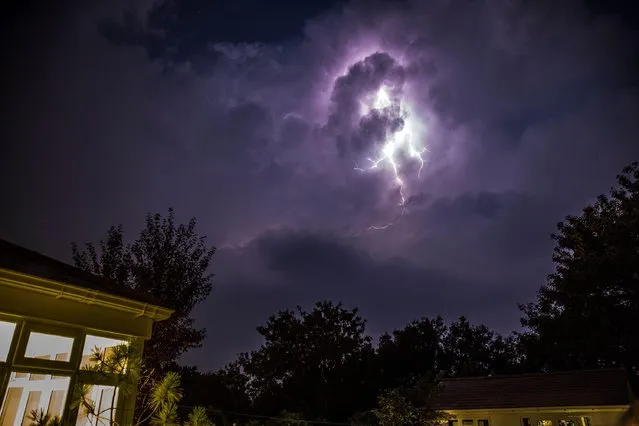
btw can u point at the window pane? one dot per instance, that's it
(25, 396)
(49, 346)
(6, 335)
(107, 347)
(98, 406)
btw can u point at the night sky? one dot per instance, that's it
(232, 114)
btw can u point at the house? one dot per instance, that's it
(571, 398)
(52, 316)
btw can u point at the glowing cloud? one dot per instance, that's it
(399, 143)
(375, 127)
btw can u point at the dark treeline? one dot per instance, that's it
(320, 365)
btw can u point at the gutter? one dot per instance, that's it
(60, 290)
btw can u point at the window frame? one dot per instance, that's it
(17, 362)
(94, 333)
(21, 361)
(17, 331)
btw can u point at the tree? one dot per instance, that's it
(585, 315)
(223, 392)
(409, 405)
(396, 409)
(311, 363)
(168, 262)
(475, 350)
(410, 353)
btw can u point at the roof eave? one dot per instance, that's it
(59, 289)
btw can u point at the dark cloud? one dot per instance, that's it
(290, 268)
(527, 109)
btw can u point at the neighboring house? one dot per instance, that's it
(52, 315)
(571, 398)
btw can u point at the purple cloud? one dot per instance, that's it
(527, 112)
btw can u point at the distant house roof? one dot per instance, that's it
(559, 389)
(20, 259)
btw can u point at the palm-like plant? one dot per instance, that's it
(165, 396)
(41, 418)
(198, 417)
(119, 365)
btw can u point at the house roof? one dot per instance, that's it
(558, 389)
(20, 259)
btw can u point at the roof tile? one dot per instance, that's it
(557, 389)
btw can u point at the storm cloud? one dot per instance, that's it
(119, 108)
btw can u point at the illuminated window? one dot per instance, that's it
(49, 346)
(107, 348)
(98, 406)
(6, 336)
(544, 422)
(25, 396)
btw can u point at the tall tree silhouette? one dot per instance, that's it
(586, 313)
(167, 261)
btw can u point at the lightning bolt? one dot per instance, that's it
(396, 143)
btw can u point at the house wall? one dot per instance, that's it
(576, 416)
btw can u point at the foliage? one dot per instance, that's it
(396, 409)
(118, 365)
(410, 353)
(40, 418)
(409, 405)
(474, 350)
(586, 313)
(287, 418)
(223, 391)
(315, 363)
(198, 417)
(168, 262)
(364, 418)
